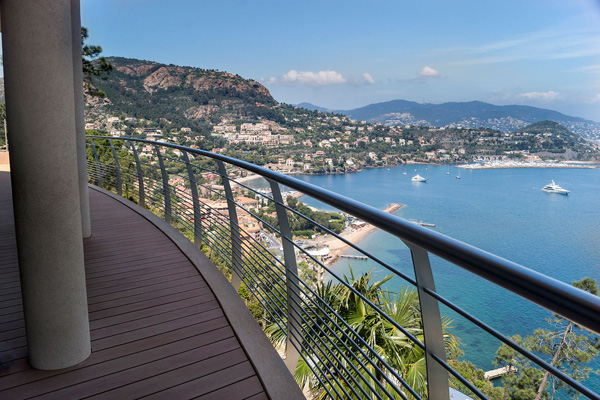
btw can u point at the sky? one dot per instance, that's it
(347, 54)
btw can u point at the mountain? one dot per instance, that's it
(312, 107)
(184, 96)
(473, 114)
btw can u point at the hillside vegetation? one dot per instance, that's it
(183, 95)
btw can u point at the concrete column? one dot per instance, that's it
(37, 44)
(84, 196)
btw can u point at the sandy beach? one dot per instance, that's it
(246, 179)
(337, 247)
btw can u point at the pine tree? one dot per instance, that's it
(93, 64)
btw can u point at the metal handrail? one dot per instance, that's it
(558, 297)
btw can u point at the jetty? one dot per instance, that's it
(393, 207)
(358, 257)
(414, 221)
(498, 372)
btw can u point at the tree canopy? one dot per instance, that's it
(93, 64)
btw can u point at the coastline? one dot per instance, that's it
(337, 247)
(247, 178)
(524, 165)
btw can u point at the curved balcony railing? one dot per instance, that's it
(194, 189)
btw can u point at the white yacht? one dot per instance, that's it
(418, 178)
(554, 188)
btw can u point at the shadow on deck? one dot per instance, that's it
(159, 328)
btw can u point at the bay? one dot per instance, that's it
(502, 211)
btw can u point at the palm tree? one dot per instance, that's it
(352, 349)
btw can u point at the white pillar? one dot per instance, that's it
(38, 76)
(84, 196)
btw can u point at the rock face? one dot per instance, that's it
(147, 89)
(163, 79)
(200, 111)
(136, 71)
(155, 76)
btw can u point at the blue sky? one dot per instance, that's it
(347, 54)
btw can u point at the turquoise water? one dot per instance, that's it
(502, 211)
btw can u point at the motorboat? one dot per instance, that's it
(554, 188)
(418, 178)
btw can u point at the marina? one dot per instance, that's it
(502, 164)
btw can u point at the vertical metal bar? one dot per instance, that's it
(196, 204)
(140, 173)
(293, 300)
(118, 167)
(166, 189)
(437, 376)
(236, 243)
(98, 170)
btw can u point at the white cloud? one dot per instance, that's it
(320, 78)
(368, 78)
(596, 99)
(541, 96)
(595, 69)
(428, 72)
(559, 42)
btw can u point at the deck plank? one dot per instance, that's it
(157, 329)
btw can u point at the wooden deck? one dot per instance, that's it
(157, 329)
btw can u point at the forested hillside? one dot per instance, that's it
(185, 96)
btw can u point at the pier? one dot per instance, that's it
(498, 372)
(354, 256)
(414, 221)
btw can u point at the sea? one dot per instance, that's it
(503, 211)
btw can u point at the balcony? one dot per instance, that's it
(342, 363)
(166, 322)
(157, 327)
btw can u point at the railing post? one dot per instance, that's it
(195, 203)
(292, 284)
(166, 189)
(98, 170)
(437, 376)
(140, 173)
(236, 242)
(118, 168)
